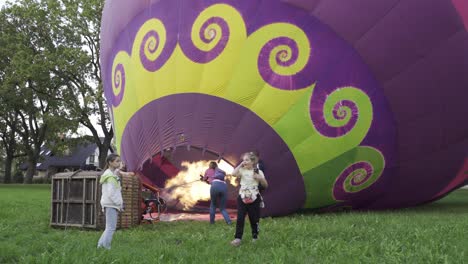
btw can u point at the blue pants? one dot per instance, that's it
(111, 225)
(218, 190)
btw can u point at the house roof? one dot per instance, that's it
(76, 159)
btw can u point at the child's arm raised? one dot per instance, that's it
(124, 173)
(236, 172)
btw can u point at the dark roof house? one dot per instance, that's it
(83, 156)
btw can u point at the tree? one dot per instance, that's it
(30, 90)
(8, 143)
(52, 76)
(76, 25)
(8, 119)
(7, 135)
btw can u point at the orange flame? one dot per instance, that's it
(187, 188)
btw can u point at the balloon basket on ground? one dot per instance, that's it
(75, 201)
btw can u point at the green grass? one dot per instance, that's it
(435, 233)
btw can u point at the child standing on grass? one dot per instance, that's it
(111, 198)
(248, 200)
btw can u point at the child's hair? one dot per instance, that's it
(251, 156)
(256, 152)
(213, 165)
(110, 158)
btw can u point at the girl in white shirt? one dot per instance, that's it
(248, 201)
(111, 197)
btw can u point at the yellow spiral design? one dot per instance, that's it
(334, 102)
(213, 32)
(285, 52)
(151, 38)
(117, 81)
(119, 73)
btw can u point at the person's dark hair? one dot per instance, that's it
(213, 165)
(110, 158)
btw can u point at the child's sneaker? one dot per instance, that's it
(254, 240)
(236, 242)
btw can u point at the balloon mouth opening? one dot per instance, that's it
(176, 174)
(172, 139)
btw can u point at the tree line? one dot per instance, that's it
(50, 78)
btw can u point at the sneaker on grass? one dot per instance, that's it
(236, 242)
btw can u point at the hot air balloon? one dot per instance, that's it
(351, 104)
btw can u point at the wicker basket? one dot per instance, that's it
(76, 200)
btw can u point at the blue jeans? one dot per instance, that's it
(218, 190)
(111, 225)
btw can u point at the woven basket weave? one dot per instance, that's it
(76, 200)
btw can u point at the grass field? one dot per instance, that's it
(435, 233)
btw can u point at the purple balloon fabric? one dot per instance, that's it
(417, 51)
